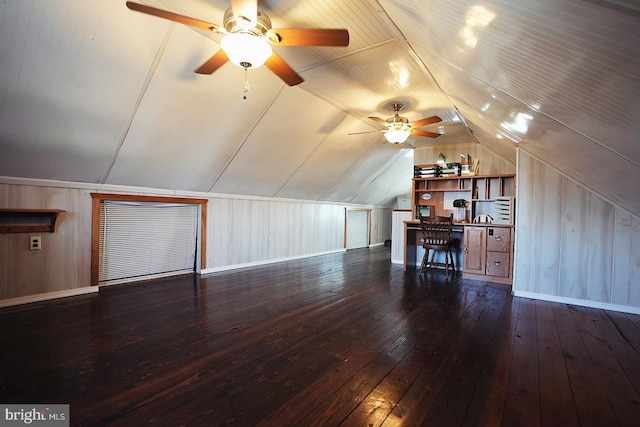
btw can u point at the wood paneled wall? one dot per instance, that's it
(245, 231)
(381, 224)
(572, 243)
(240, 231)
(64, 262)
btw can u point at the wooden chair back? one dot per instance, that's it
(436, 230)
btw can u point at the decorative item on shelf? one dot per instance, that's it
(442, 159)
(461, 207)
(475, 167)
(466, 164)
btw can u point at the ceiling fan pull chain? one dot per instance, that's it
(247, 85)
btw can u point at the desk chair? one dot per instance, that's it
(436, 235)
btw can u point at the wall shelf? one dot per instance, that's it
(28, 220)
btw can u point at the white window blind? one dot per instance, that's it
(140, 240)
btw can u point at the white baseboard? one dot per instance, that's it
(264, 262)
(580, 302)
(48, 296)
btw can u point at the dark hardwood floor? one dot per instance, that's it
(345, 339)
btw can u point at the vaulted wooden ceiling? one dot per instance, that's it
(91, 91)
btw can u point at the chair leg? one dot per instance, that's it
(453, 263)
(446, 263)
(425, 260)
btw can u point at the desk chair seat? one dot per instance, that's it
(436, 235)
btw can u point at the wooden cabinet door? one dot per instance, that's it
(474, 249)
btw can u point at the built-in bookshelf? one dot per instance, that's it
(435, 196)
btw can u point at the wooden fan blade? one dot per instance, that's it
(309, 37)
(281, 69)
(215, 62)
(383, 122)
(192, 22)
(360, 133)
(246, 9)
(426, 121)
(418, 132)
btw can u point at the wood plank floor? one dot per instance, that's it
(345, 339)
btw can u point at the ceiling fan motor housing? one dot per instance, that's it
(240, 24)
(397, 119)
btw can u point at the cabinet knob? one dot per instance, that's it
(497, 262)
(499, 238)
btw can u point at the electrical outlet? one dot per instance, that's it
(35, 243)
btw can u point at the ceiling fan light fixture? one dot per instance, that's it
(398, 133)
(246, 50)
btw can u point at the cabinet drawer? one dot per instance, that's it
(498, 239)
(498, 264)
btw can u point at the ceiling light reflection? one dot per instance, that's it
(400, 74)
(478, 17)
(519, 124)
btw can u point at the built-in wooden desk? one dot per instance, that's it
(412, 239)
(485, 250)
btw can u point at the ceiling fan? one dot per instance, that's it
(248, 37)
(398, 128)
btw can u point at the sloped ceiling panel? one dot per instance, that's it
(394, 179)
(62, 116)
(558, 79)
(329, 162)
(369, 81)
(366, 25)
(293, 127)
(188, 126)
(357, 179)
